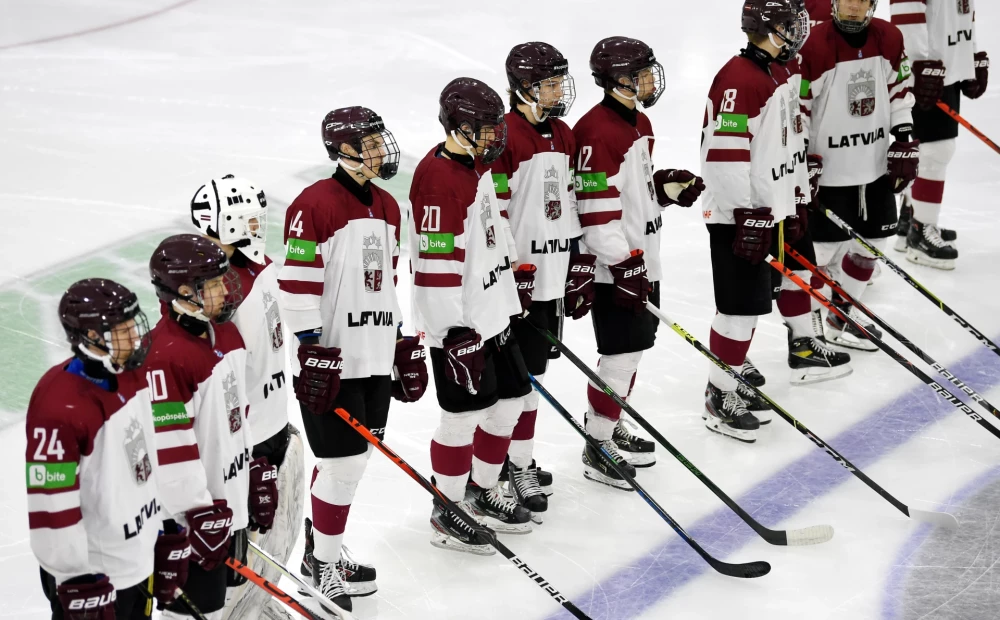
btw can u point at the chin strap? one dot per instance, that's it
(468, 149)
(534, 108)
(195, 323)
(103, 360)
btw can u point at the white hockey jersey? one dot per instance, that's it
(852, 97)
(259, 321)
(461, 266)
(752, 141)
(614, 187)
(533, 179)
(340, 274)
(91, 474)
(942, 30)
(203, 439)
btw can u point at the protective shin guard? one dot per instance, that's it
(928, 188)
(522, 439)
(492, 440)
(730, 340)
(451, 452)
(332, 494)
(794, 306)
(618, 371)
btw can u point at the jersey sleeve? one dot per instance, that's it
(55, 521)
(900, 80)
(182, 481)
(598, 194)
(731, 115)
(438, 261)
(502, 170)
(574, 206)
(910, 16)
(301, 277)
(393, 217)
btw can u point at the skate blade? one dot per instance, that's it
(597, 476)
(639, 459)
(720, 428)
(808, 376)
(361, 588)
(443, 541)
(918, 258)
(900, 243)
(538, 517)
(847, 341)
(764, 416)
(504, 528)
(547, 490)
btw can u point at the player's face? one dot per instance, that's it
(213, 296)
(550, 91)
(645, 83)
(853, 10)
(373, 151)
(125, 338)
(487, 135)
(253, 225)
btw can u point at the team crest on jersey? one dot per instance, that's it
(553, 203)
(963, 7)
(273, 316)
(137, 452)
(647, 171)
(233, 402)
(486, 217)
(861, 93)
(372, 261)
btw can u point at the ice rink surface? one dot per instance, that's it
(113, 113)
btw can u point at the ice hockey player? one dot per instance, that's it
(91, 466)
(233, 212)
(819, 11)
(464, 296)
(338, 286)
(856, 102)
(620, 199)
(534, 183)
(941, 44)
(196, 374)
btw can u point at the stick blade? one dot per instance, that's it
(938, 519)
(813, 535)
(750, 570)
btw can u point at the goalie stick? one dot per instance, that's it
(270, 588)
(806, 536)
(942, 519)
(487, 532)
(307, 588)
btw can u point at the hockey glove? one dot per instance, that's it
(796, 225)
(209, 533)
(631, 282)
(263, 494)
(319, 379)
(580, 285)
(928, 82)
(677, 187)
(524, 278)
(87, 597)
(974, 89)
(904, 162)
(410, 368)
(464, 358)
(753, 233)
(171, 557)
(814, 163)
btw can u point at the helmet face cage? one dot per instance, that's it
(230, 302)
(560, 87)
(139, 334)
(234, 212)
(493, 147)
(377, 149)
(796, 33)
(640, 77)
(852, 25)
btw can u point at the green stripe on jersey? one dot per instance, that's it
(301, 250)
(437, 243)
(50, 475)
(804, 87)
(732, 123)
(591, 182)
(168, 414)
(500, 184)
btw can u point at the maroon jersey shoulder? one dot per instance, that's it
(186, 360)
(390, 208)
(742, 87)
(889, 38)
(443, 177)
(602, 124)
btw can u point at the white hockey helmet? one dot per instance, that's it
(234, 211)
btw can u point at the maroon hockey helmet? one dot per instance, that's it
(469, 107)
(98, 306)
(538, 74)
(615, 58)
(765, 17)
(193, 260)
(364, 131)
(852, 25)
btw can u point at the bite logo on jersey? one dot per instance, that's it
(273, 316)
(861, 93)
(486, 218)
(137, 452)
(553, 200)
(371, 261)
(232, 396)
(51, 475)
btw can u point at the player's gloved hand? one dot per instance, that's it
(410, 368)
(208, 532)
(753, 233)
(904, 162)
(319, 379)
(263, 494)
(974, 89)
(524, 278)
(87, 597)
(678, 187)
(814, 163)
(796, 225)
(580, 285)
(171, 557)
(928, 82)
(464, 358)
(631, 282)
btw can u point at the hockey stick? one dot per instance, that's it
(937, 518)
(958, 117)
(306, 587)
(806, 536)
(905, 363)
(748, 570)
(185, 600)
(270, 588)
(488, 533)
(941, 370)
(986, 342)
